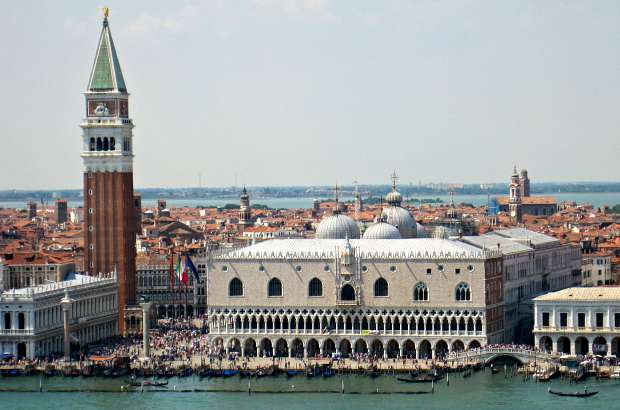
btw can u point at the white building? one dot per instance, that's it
(580, 320)
(385, 297)
(32, 318)
(533, 264)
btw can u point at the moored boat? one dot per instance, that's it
(585, 393)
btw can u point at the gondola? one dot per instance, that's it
(585, 393)
(494, 370)
(420, 379)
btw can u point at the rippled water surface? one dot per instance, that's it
(481, 391)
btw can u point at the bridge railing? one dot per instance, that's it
(486, 351)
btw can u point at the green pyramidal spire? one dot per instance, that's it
(106, 74)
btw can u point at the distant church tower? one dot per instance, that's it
(524, 183)
(245, 211)
(514, 199)
(359, 202)
(109, 214)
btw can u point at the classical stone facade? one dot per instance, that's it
(533, 264)
(402, 297)
(153, 282)
(32, 322)
(579, 321)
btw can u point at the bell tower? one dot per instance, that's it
(109, 217)
(514, 198)
(245, 211)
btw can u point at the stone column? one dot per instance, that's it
(66, 303)
(146, 327)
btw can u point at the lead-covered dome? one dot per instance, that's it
(338, 226)
(382, 230)
(401, 219)
(394, 198)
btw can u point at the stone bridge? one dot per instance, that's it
(488, 354)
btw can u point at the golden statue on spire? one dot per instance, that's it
(106, 12)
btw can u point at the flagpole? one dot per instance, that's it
(171, 275)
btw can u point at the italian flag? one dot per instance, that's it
(181, 270)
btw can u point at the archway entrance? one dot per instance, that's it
(234, 346)
(376, 348)
(313, 348)
(581, 346)
(21, 350)
(615, 346)
(563, 345)
(249, 348)
(409, 349)
(599, 346)
(361, 346)
(297, 348)
(329, 348)
(281, 348)
(458, 346)
(474, 344)
(345, 348)
(425, 350)
(393, 350)
(545, 344)
(266, 348)
(441, 349)
(347, 293)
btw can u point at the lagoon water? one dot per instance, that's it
(596, 199)
(481, 391)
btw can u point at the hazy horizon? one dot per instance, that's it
(314, 92)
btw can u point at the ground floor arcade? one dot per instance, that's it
(343, 346)
(581, 344)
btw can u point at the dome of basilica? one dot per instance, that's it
(382, 230)
(394, 198)
(401, 219)
(338, 226)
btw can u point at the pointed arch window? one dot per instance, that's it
(112, 144)
(105, 144)
(315, 288)
(462, 292)
(347, 293)
(381, 288)
(235, 287)
(274, 288)
(420, 292)
(91, 146)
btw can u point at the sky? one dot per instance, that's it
(314, 92)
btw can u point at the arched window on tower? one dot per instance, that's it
(99, 144)
(274, 287)
(91, 147)
(420, 291)
(112, 144)
(462, 292)
(105, 144)
(381, 287)
(315, 287)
